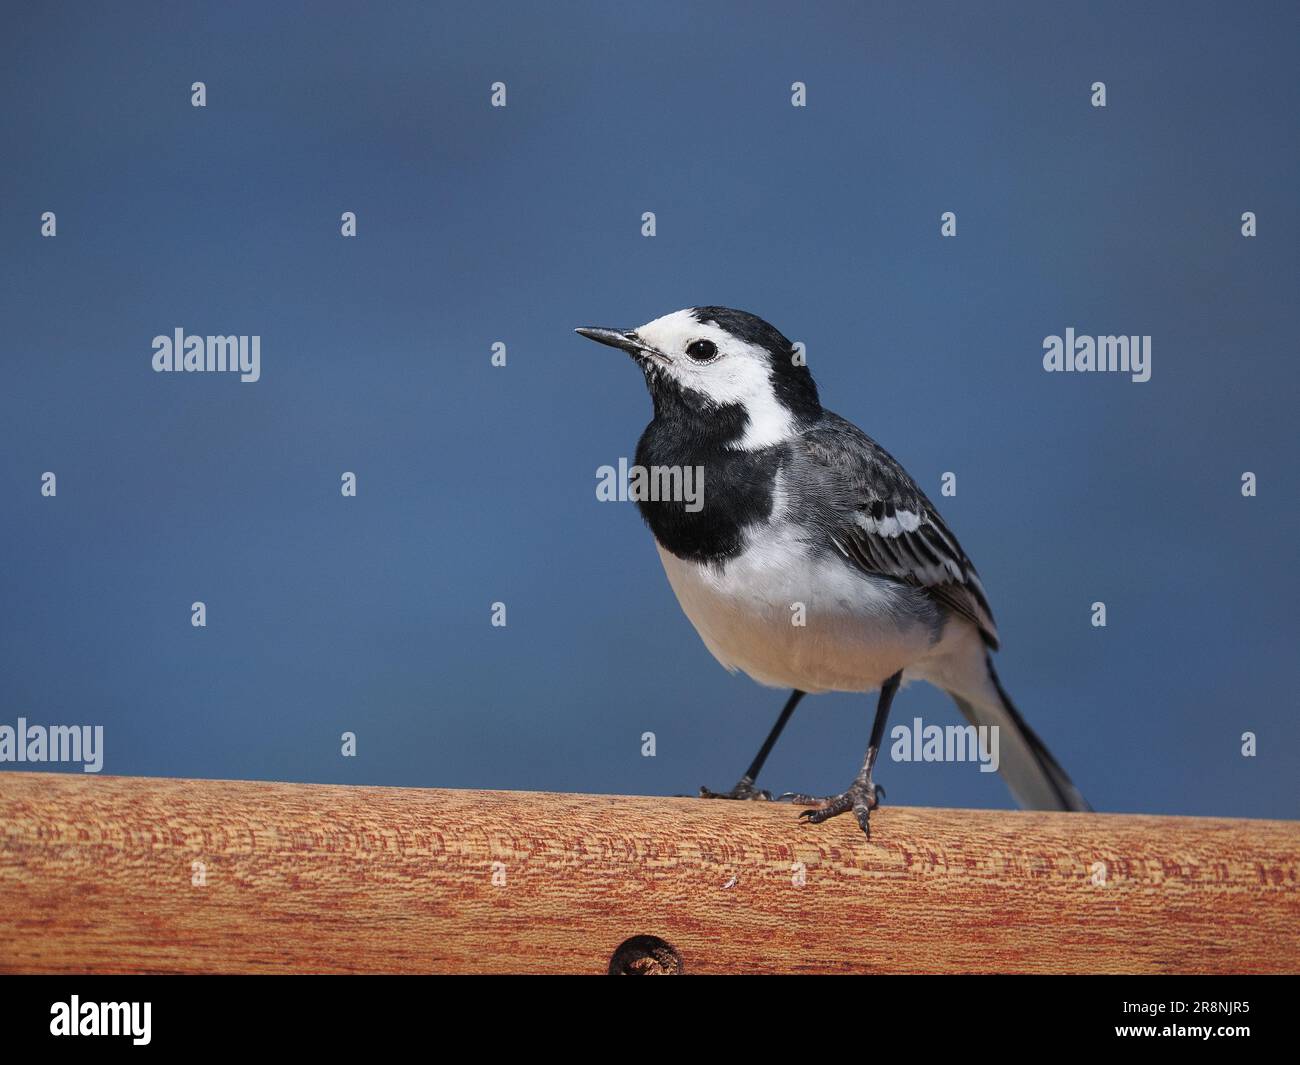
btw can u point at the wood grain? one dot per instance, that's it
(96, 875)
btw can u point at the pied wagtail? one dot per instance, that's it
(802, 507)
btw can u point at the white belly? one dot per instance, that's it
(747, 613)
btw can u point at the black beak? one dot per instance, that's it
(624, 339)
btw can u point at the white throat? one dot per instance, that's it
(769, 423)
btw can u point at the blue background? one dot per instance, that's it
(476, 484)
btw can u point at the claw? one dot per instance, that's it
(863, 814)
(744, 790)
(861, 798)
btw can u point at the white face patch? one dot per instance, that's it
(739, 374)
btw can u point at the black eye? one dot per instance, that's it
(702, 350)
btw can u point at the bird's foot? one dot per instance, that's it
(861, 797)
(744, 789)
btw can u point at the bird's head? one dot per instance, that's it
(705, 362)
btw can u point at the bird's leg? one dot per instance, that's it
(862, 796)
(745, 789)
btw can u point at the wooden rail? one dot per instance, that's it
(121, 874)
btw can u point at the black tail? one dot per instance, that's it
(1033, 775)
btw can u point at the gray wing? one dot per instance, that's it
(878, 518)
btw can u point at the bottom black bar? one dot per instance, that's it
(335, 1013)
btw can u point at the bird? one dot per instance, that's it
(800, 508)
